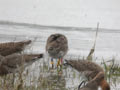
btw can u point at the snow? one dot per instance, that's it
(80, 43)
(79, 13)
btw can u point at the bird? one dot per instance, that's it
(12, 63)
(90, 69)
(97, 81)
(57, 47)
(13, 47)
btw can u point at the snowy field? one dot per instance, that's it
(81, 40)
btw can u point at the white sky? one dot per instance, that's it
(80, 13)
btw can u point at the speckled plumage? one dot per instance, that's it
(12, 47)
(94, 83)
(11, 63)
(57, 45)
(90, 69)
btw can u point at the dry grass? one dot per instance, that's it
(47, 80)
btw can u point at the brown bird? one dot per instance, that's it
(13, 47)
(97, 81)
(57, 47)
(12, 63)
(90, 69)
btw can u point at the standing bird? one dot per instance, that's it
(12, 63)
(57, 47)
(97, 81)
(90, 70)
(13, 47)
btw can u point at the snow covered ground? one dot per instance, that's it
(80, 40)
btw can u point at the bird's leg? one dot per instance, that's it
(52, 63)
(61, 60)
(58, 63)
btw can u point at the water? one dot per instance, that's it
(80, 42)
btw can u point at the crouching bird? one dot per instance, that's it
(12, 63)
(57, 47)
(13, 47)
(92, 71)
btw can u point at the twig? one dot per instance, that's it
(89, 57)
